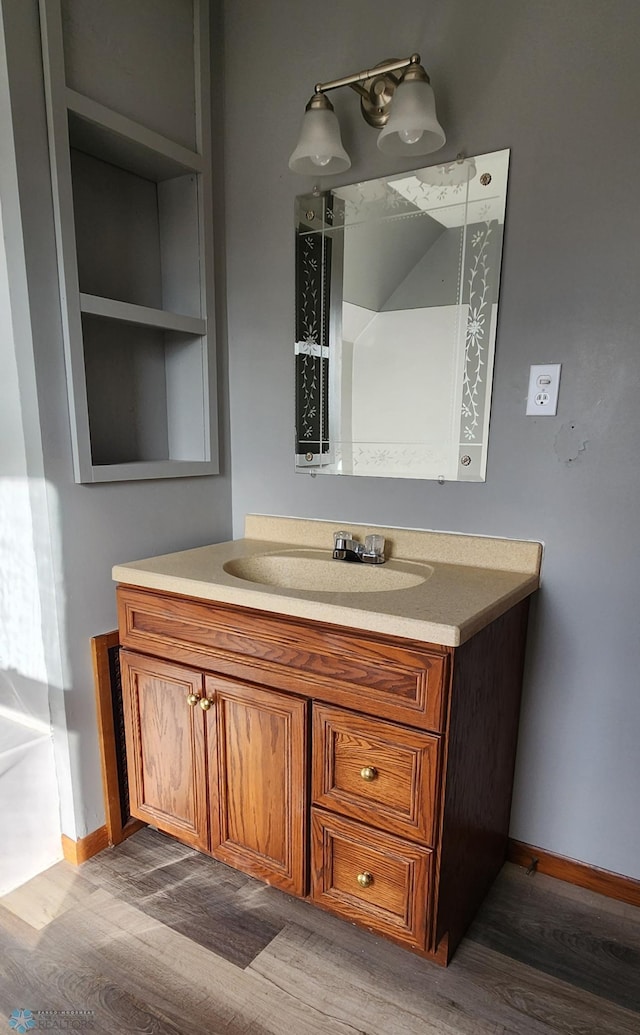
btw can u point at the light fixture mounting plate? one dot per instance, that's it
(376, 95)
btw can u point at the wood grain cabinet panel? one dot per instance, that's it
(258, 782)
(389, 677)
(370, 877)
(378, 772)
(165, 747)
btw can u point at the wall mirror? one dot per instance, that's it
(397, 285)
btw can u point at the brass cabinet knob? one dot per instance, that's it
(365, 879)
(368, 773)
(192, 699)
(205, 703)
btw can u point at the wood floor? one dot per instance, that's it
(154, 937)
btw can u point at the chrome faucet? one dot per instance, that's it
(346, 548)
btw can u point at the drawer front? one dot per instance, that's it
(383, 774)
(371, 878)
(391, 678)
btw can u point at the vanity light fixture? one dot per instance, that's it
(403, 109)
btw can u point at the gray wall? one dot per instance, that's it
(558, 83)
(91, 527)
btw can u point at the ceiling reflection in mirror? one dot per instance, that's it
(397, 283)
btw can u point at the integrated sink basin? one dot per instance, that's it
(285, 566)
(315, 571)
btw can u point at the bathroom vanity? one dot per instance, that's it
(344, 732)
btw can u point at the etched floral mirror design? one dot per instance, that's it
(397, 283)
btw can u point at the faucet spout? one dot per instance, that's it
(346, 548)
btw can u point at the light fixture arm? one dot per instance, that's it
(383, 69)
(376, 86)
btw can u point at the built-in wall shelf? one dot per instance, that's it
(105, 134)
(126, 312)
(131, 176)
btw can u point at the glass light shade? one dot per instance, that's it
(413, 127)
(319, 151)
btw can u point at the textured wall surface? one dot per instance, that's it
(558, 84)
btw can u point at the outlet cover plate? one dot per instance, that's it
(544, 385)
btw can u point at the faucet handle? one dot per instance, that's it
(340, 538)
(374, 546)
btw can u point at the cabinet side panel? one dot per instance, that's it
(483, 731)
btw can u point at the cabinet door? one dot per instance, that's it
(165, 746)
(257, 782)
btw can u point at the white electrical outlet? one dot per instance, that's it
(544, 384)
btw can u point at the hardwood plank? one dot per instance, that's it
(317, 975)
(481, 991)
(562, 937)
(599, 901)
(197, 896)
(151, 862)
(18, 929)
(493, 989)
(355, 990)
(189, 986)
(540, 997)
(48, 895)
(146, 851)
(54, 976)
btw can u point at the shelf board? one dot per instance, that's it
(105, 134)
(147, 469)
(127, 312)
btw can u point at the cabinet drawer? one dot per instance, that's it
(388, 677)
(383, 774)
(371, 878)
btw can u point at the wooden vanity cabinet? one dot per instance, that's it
(370, 773)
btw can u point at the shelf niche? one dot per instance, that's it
(143, 393)
(136, 240)
(132, 201)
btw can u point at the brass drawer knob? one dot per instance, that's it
(368, 773)
(365, 879)
(205, 703)
(192, 700)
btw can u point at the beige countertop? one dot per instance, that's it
(453, 585)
